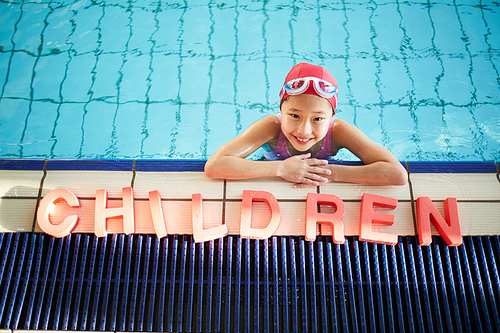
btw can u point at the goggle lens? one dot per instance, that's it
(298, 86)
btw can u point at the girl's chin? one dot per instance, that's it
(302, 148)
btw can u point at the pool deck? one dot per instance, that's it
(23, 183)
(147, 283)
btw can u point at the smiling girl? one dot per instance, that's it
(299, 142)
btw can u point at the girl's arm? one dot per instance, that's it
(229, 162)
(380, 166)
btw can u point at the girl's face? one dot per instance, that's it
(305, 120)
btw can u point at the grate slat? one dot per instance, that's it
(280, 284)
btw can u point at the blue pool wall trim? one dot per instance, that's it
(188, 165)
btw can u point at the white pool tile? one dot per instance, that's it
(16, 215)
(355, 191)
(15, 183)
(478, 218)
(85, 183)
(472, 186)
(177, 185)
(279, 188)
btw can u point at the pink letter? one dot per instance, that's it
(246, 214)
(313, 216)
(368, 216)
(102, 213)
(200, 234)
(449, 229)
(157, 214)
(46, 208)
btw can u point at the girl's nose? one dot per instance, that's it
(304, 128)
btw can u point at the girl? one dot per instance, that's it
(299, 141)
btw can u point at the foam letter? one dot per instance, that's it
(200, 234)
(46, 208)
(246, 215)
(157, 214)
(368, 216)
(102, 213)
(449, 229)
(313, 216)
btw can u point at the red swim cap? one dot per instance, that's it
(305, 70)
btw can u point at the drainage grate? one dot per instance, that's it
(283, 284)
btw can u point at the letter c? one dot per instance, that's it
(47, 206)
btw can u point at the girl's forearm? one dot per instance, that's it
(377, 173)
(232, 167)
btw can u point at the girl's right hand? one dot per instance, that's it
(304, 171)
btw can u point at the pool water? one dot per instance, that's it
(160, 79)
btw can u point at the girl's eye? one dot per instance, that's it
(318, 119)
(296, 116)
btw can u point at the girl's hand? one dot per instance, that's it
(304, 171)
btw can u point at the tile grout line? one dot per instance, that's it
(224, 202)
(498, 171)
(39, 197)
(412, 200)
(132, 182)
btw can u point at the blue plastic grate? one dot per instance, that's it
(283, 284)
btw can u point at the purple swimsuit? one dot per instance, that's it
(281, 152)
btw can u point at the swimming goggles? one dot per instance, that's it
(298, 86)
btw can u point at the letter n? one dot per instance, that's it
(449, 229)
(313, 216)
(102, 213)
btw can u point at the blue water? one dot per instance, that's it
(158, 79)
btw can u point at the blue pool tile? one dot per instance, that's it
(133, 81)
(87, 31)
(58, 30)
(50, 71)
(13, 113)
(99, 130)
(31, 12)
(38, 139)
(68, 131)
(195, 92)
(104, 86)
(164, 78)
(76, 86)
(170, 165)
(455, 87)
(129, 123)
(90, 165)
(452, 167)
(18, 83)
(21, 164)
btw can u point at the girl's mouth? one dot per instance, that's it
(303, 140)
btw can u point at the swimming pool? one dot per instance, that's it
(157, 79)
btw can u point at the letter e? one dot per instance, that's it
(368, 216)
